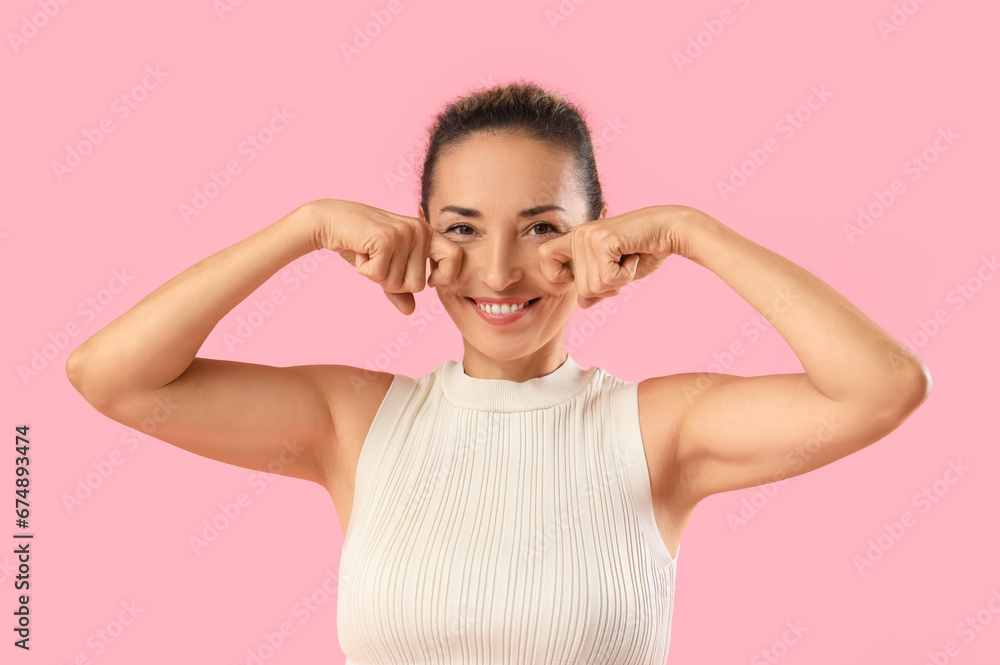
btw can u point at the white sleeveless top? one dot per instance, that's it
(504, 522)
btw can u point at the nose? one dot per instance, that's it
(500, 262)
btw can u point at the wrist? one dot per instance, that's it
(305, 223)
(692, 232)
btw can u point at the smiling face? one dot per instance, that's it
(499, 197)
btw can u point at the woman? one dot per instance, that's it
(514, 506)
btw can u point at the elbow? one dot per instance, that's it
(911, 390)
(922, 383)
(75, 370)
(81, 376)
(917, 386)
(924, 378)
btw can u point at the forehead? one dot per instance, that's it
(501, 173)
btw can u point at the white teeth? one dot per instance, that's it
(501, 309)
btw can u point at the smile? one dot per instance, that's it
(502, 314)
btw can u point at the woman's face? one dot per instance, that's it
(499, 198)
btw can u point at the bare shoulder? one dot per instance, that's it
(353, 395)
(346, 383)
(663, 401)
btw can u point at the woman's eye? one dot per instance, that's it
(457, 228)
(544, 224)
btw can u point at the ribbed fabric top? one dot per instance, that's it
(504, 522)
(507, 396)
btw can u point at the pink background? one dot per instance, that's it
(356, 125)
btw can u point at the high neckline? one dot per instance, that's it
(506, 395)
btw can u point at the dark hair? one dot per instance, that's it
(520, 107)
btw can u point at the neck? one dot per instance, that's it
(521, 368)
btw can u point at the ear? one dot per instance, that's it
(604, 211)
(420, 213)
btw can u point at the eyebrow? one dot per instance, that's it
(530, 212)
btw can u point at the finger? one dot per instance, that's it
(446, 260)
(555, 259)
(587, 268)
(375, 264)
(631, 264)
(593, 300)
(404, 302)
(618, 264)
(590, 277)
(416, 263)
(395, 278)
(613, 268)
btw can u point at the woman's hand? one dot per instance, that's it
(604, 255)
(389, 249)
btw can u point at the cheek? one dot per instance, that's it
(449, 295)
(453, 300)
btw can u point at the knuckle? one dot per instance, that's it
(601, 234)
(414, 227)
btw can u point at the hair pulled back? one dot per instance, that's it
(519, 107)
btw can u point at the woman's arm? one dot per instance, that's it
(859, 382)
(151, 344)
(141, 368)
